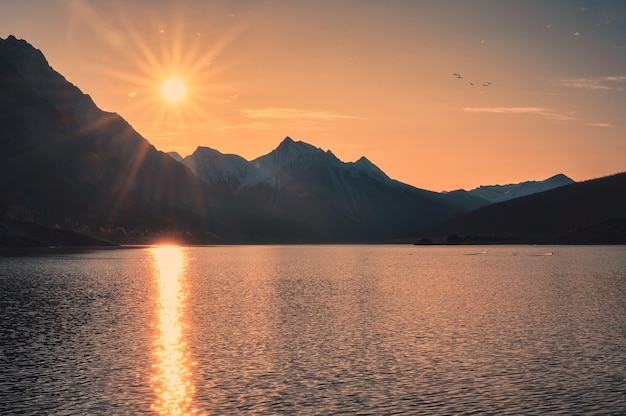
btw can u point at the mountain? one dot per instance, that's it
(235, 173)
(223, 171)
(590, 212)
(67, 165)
(499, 193)
(28, 234)
(176, 156)
(64, 162)
(302, 192)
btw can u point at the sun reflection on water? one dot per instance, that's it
(172, 382)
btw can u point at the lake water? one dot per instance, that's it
(315, 330)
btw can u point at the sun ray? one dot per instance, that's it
(194, 55)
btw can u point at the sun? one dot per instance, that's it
(170, 78)
(173, 89)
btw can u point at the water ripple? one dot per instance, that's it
(320, 330)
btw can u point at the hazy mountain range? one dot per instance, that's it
(298, 191)
(65, 164)
(590, 212)
(500, 193)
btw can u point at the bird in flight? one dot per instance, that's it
(471, 83)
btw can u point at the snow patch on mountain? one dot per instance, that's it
(217, 168)
(500, 193)
(281, 168)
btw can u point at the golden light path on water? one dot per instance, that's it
(172, 383)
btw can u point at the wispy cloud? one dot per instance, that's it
(538, 111)
(245, 126)
(296, 114)
(290, 118)
(231, 98)
(162, 135)
(608, 83)
(604, 125)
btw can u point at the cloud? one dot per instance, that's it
(162, 135)
(231, 98)
(619, 79)
(245, 126)
(608, 83)
(605, 125)
(132, 94)
(538, 111)
(285, 118)
(296, 114)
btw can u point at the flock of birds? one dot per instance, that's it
(459, 76)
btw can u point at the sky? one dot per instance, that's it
(442, 95)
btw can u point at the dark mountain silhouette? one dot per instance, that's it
(28, 234)
(300, 189)
(63, 161)
(589, 212)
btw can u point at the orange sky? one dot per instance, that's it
(358, 77)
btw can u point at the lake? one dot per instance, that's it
(336, 329)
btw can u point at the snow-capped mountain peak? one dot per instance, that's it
(500, 193)
(283, 166)
(290, 150)
(212, 166)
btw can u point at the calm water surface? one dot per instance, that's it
(315, 330)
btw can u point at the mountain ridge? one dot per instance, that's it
(318, 191)
(588, 212)
(364, 165)
(64, 163)
(500, 193)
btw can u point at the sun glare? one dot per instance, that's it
(170, 80)
(173, 89)
(172, 382)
